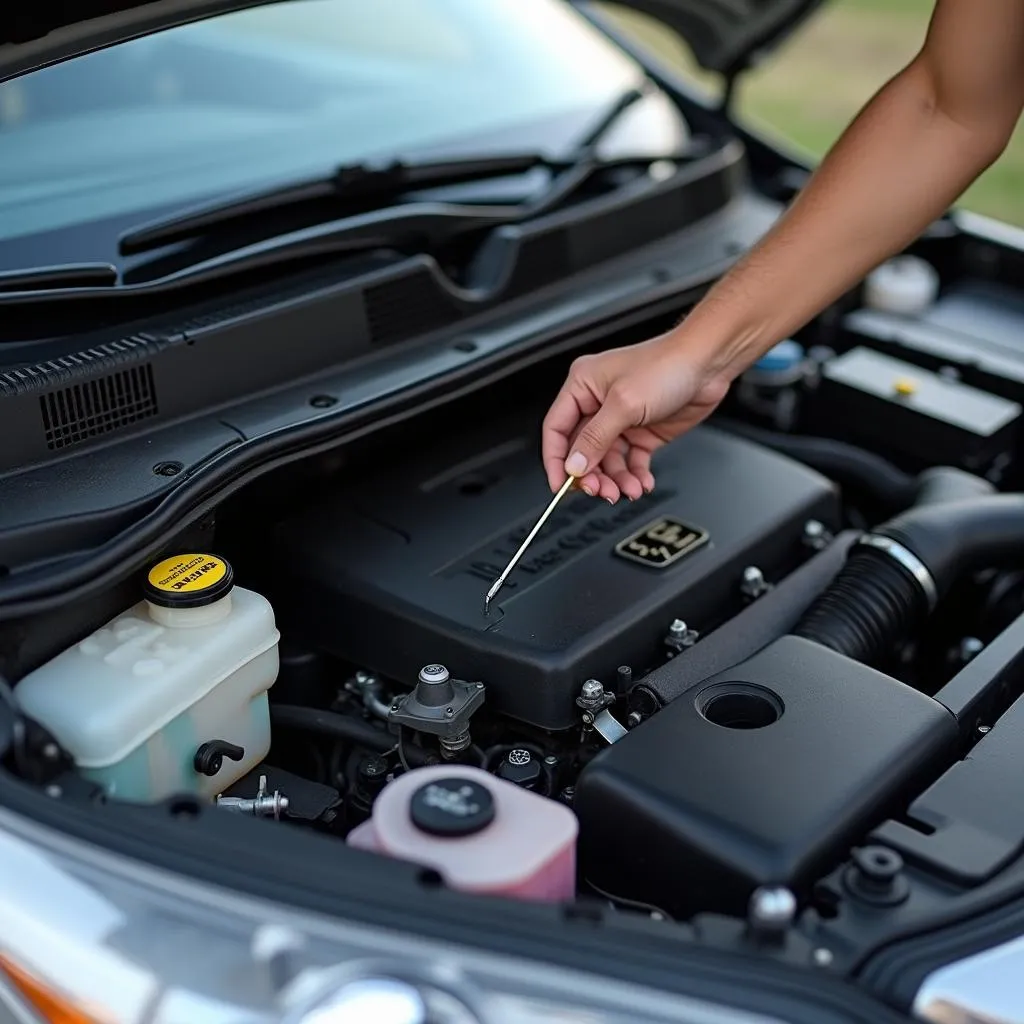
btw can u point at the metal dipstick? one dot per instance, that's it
(499, 582)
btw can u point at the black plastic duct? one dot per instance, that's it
(896, 575)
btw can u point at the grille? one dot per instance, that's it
(408, 306)
(97, 407)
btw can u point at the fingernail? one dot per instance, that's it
(589, 491)
(611, 501)
(576, 464)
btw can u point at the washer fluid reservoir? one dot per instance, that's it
(170, 697)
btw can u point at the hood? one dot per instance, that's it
(725, 35)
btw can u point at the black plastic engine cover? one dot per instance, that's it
(763, 775)
(392, 574)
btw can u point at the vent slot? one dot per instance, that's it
(97, 407)
(408, 306)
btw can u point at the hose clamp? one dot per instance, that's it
(906, 558)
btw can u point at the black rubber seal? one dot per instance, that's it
(192, 598)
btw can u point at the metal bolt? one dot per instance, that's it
(816, 536)
(54, 791)
(822, 957)
(970, 648)
(677, 628)
(551, 761)
(51, 751)
(812, 529)
(449, 712)
(984, 730)
(592, 689)
(754, 583)
(634, 719)
(772, 909)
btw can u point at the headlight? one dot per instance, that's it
(87, 937)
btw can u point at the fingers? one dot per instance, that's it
(598, 434)
(560, 424)
(616, 467)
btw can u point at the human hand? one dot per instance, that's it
(617, 408)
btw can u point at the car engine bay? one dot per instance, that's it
(775, 703)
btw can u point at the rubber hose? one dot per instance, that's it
(845, 463)
(340, 727)
(875, 600)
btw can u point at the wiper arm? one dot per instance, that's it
(62, 275)
(354, 184)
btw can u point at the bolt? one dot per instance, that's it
(984, 730)
(51, 751)
(634, 719)
(677, 628)
(449, 712)
(592, 690)
(168, 468)
(970, 648)
(322, 401)
(551, 761)
(772, 909)
(754, 583)
(54, 791)
(815, 535)
(822, 957)
(588, 718)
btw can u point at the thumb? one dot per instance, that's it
(596, 437)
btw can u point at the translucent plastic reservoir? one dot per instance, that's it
(480, 833)
(134, 702)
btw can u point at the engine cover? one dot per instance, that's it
(392, 574)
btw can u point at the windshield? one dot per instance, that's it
(287, 89)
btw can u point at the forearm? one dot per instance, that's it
(899, 166)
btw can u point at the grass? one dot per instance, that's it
(810, 89)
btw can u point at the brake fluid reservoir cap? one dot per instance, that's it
(188, 581)
(783, 356)
(452, 807)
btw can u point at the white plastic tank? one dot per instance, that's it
(907, 285)
(480, 833)
(144, 704)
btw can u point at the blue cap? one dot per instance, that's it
(783, 356)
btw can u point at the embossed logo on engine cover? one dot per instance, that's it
(661, 543)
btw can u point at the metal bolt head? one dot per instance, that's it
(753, 576)
(970, 648)
(983, 730)
(772, 908)
(51, 751)
(592, 689)
(551, 761)
(54, 791)
(677, 628)
(822, 957)
(813, 529)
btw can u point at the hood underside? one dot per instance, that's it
(723, 34)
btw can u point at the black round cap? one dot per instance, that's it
(188, 581)
(452, 807)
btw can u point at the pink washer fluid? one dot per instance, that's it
(480, 833)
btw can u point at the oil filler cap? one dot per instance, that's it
(452, 807)
(188, 581)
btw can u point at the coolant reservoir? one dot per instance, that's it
(480, 833)
(905, 284)
(171, 696)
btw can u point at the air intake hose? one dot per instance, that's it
(895, 575)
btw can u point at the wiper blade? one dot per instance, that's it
(360, 183)
(62, 275)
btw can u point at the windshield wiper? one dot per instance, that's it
(61, 275)
(368, 183)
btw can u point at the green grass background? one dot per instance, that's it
(810, 88)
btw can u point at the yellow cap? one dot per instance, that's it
(188, 581)
(904, 386)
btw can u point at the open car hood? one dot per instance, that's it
(723, 34)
